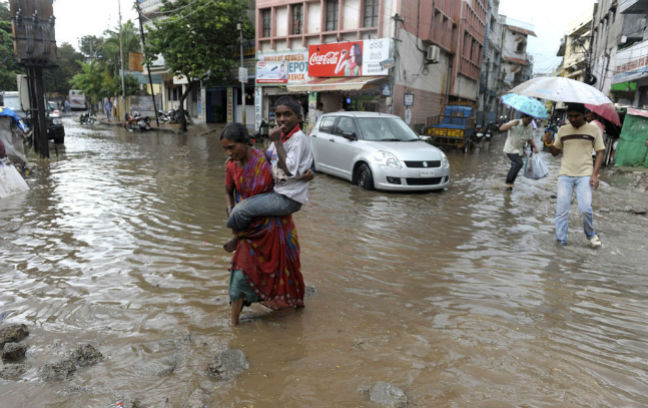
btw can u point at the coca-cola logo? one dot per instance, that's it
(329, 58)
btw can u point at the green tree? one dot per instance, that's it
(8, 64)
(92, 80)
(57, 80)
(196, 38)
(97, 82)
(91, 47)
(131, 43)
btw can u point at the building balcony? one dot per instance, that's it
(633, 6)
(469, 69)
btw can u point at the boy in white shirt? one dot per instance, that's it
(291, 159)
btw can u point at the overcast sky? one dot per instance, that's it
(78, 18)
(551, 20)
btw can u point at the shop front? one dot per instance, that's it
(334, 76)
(630, 81)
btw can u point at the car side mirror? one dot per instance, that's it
(349, 135)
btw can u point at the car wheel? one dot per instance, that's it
(364, 178)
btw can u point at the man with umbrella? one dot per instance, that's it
(576, 140)
(519, 132)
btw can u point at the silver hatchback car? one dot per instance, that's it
(377, 150)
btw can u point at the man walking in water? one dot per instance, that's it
(576, 140)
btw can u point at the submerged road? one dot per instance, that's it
(460, 298)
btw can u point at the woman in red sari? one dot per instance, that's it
(265, 265)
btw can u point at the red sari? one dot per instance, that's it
(268, 251)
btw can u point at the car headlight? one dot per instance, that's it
(388, 159)
(444, 161)
(57, 121)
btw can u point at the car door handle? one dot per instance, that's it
(314, 136)
(332, 140)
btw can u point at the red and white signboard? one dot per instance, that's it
(348, 59)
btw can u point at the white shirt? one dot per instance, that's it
(299, 158)
(517, 136)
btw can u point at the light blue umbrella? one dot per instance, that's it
(526, 104)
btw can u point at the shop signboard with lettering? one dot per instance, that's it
(630, 63)
(282, 68)
(348, 59)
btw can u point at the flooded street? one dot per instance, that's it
(460, 298)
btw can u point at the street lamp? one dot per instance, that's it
(242, 71)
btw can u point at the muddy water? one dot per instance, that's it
(460, 298)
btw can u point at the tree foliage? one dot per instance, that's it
(8, 64)
(198, 38)
(100, 73)
(57, 80)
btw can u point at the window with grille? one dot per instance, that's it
(297, 19)
(370, 13)
(331, 15)
(266, 23)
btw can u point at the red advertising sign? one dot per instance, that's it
(335, 59)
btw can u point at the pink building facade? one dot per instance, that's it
(399, 56)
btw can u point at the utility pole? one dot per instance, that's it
(32, 23)
(148, 65)
(121, 53)
(397, 19)
(239, 26)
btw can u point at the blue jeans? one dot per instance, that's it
(261, 205)
(566, 187)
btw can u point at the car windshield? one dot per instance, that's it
(386, 129)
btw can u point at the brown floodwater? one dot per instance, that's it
(460, 298)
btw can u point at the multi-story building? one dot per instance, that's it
(408, 58)
(489, 86)
(574, 48)
(620, 50)
(517, 64)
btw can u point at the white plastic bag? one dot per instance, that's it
(535, 167)
(11, 182)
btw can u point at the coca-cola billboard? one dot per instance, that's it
(348, 59)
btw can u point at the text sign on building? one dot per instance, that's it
(352, 58)
(631, 63)
(282, 68)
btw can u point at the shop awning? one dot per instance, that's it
(334, 84)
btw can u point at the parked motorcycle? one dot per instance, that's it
(87, 118)
(491, 129)
(479, 134)
(135, 121)
(163, 116)
(174, 116)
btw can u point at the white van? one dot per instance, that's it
(77, 100)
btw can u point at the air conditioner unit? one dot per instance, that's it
(432, 55)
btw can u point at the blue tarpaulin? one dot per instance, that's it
(10, 113)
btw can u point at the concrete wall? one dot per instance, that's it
(606, 32)
(314, 24)
(350, 15)
(428, 82)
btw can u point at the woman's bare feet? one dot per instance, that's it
(230, 246)
(237, 307)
